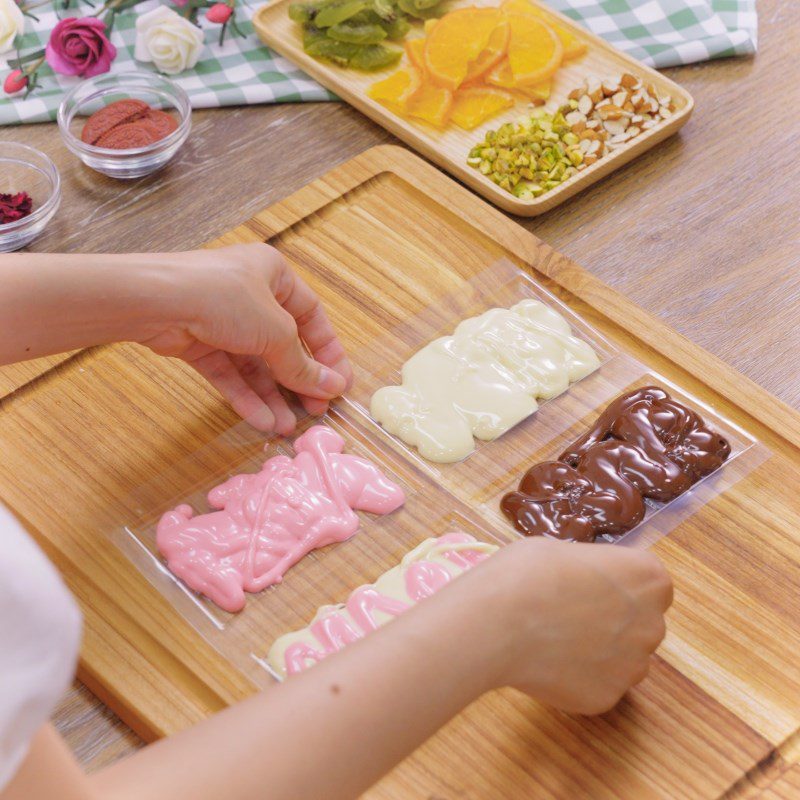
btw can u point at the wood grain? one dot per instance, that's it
(689, 231)
(13, 376)
(449, 148)
(786, 787)
(716, 706)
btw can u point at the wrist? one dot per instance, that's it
(483, 603)
(513, 585)
(148, 295)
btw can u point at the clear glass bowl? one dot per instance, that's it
(24, 169)
(91, 95)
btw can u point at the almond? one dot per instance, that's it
(610, 86)
(619, 99)
(610, 112)
(574, 117)
(628, 81)
(585, 105)
(615, 126)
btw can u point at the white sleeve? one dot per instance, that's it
(40, 630)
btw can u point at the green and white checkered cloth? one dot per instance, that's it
(662, 33)
(667, 33)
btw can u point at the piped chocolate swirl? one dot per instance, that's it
(644, 444)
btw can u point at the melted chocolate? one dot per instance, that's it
(645, 444)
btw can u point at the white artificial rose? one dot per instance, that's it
(167, 39)
(12, 21)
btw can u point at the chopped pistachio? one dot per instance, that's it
(532, 155)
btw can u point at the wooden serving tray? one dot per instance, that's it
(378, 238)
(449, 148)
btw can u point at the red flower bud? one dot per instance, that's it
(219, 13)
(15, 81)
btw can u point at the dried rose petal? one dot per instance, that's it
(14, 207)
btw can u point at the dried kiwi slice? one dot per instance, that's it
(368, 17)
(385, 9)
(356, 34)
(398, 27)
(302, 12)
(420, 13)
(316, 43)
(374, 56)
(338, 11)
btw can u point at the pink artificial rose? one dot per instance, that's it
(80, 47)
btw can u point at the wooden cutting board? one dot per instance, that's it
(378, 238)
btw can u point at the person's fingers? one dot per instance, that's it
(313, 406)
(218, 369)
(642, 572)
(313, 325)
(258, 376)
(639, 672)
(655, 580)
(290, 364)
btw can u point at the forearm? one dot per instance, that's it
(56, 303)
(333, 730)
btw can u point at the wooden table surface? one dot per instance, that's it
(703, 232)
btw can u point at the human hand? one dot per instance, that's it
(576, 623)
(241, 319)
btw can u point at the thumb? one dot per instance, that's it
(292, 367)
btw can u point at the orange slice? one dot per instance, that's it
(573, 46)
(456, 40)
(501, 75)
(474, 105)
(538, 92)
(396, 91)
(415, 50)
(493, 54)
(432, 104)
(534, 50)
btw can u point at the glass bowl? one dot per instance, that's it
(24, 169)
(92, 94)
